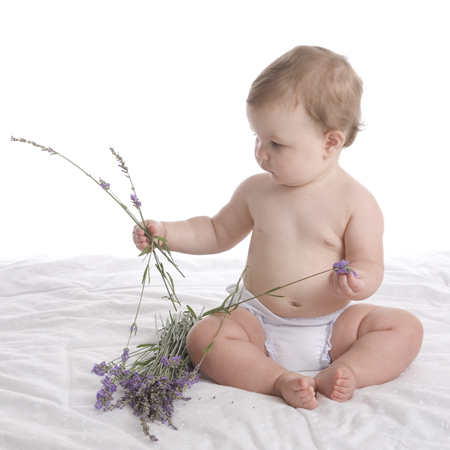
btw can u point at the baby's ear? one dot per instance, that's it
(334, 141)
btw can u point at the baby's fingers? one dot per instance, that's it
(152, 229)
(139, 238)
(340, 286)
(141, 242)
(343, 285)
(353, 282)
(138, 231)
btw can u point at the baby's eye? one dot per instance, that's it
(275, 144)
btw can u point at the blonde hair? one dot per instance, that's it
(323, 81)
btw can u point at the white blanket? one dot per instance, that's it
(60, 316)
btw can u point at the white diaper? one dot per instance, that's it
(296, 343)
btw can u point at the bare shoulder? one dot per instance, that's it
(243, 196)
(255, 181)
(253, 185)
(361, 200)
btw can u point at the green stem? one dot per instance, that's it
(281, 287)
(139, 304)
(152, 241)
(223, 308)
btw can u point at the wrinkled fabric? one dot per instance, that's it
(60, 316)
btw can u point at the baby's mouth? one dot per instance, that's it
(264, 168)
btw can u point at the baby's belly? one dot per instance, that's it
(268, 269)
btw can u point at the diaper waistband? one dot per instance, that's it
(257, 308)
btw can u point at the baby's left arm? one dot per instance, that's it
(364, 250)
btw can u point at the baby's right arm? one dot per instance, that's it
(204, 235)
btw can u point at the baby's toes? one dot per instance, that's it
(308, 398)
(299, 384)
(305, 393)
(344, 385)
(341, 393)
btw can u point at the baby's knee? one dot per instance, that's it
(196, 335)
(199, 337)
(416, 327)
(411, 328)
(193, 343)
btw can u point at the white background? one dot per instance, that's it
(165, 83)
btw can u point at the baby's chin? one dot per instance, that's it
(283, 182)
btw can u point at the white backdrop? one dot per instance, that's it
(165, 84)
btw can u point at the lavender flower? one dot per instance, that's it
(121, 161)
(165, 361)
(104, 184)
(171, 362)
(105, 395)
(343, 268)
(100, 369)
(135, 201)
(125, 355)
(151, 397)
(44, 149)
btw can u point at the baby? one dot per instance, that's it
(305, 213)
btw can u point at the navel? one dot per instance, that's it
(295, 304)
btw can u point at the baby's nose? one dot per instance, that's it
(261, 153)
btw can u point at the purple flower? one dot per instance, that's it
(44, 149)
(104, 184)
(109, 384)
(115, 371)
(105, 395)
(173, 362)
(165, 361)
(343, 268)
(100, 369)
(151, 397)
(133, 328)
(122, 162)
(135, 201)
(125, 355)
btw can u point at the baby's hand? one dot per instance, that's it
(154, 227)
(346, 286)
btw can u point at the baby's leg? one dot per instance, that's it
(239, 359)
(371, 345)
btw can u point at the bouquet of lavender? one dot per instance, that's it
(154, 379)
(154, 376)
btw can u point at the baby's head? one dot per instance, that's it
(323, 81)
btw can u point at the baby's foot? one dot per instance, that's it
(297, 390)
(337, 383)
